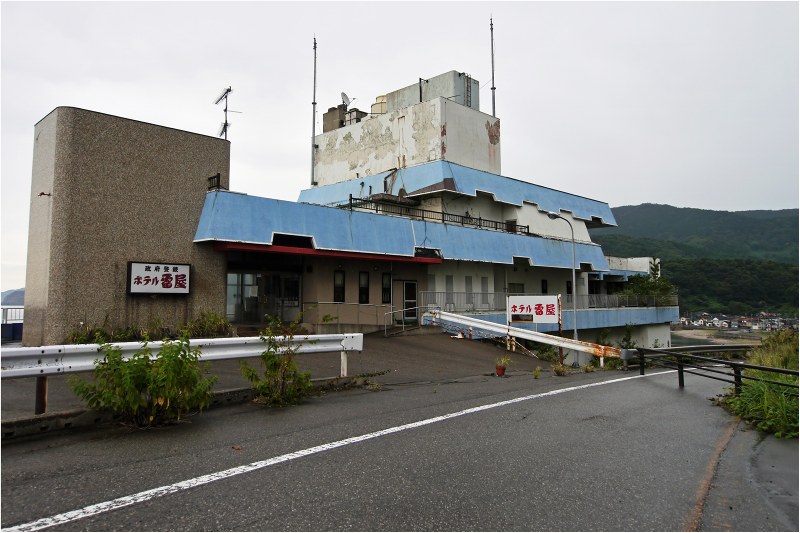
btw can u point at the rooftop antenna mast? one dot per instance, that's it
(225, 125)
(491, 32)
(314, 118)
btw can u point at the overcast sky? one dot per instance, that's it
(688, 104)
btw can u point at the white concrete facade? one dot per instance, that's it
(436, 129)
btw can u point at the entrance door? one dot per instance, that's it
(251, 296)
(409, 300)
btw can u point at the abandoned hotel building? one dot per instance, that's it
(406, 209)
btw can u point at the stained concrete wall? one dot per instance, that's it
(450, 85)
(434, 130)
(122, 191)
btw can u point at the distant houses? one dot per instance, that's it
(761, 322)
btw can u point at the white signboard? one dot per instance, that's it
(158, 278)
(533, 309)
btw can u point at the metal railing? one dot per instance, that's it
(681, 360)
(436, 216)
(44, 361)
(13, 315)
(417, 318)
(461, 302)
(440, 317)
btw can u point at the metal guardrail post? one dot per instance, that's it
(737, 379)
(641, 363)
(680, 372)
(343, 371)
(41, 395)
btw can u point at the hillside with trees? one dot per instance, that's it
(720, 261)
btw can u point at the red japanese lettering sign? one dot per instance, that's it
(533, 309)
(158, 278)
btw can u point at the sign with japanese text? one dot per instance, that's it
(533, 309)
(158, 278)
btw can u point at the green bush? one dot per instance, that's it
(770, 407)
(148, 391)
(209, 324)
(280, 383)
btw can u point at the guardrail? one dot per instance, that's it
(500, 329)
(44, 361)
(680, 359)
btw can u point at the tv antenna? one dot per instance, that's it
(223, 132)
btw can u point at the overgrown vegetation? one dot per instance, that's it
(545, 352)
(148, 390)
(770, 407)
(560, 370)
(208, 324)
(280, 382)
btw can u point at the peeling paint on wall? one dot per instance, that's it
(426, 134)
(494, 131)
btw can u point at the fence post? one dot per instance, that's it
(737, 379)
(680, 372)
(343, 371)
(641, 363)
(41, 395)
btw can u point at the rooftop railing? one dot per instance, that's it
(435, 216)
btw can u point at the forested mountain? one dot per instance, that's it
(687, 232)
(734, 262)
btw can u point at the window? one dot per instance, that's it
(544, 286)
(468, 289)
(338, 285)
(363, 287)
(511, 226)
(386, 288)
(484, 290)
(569, 287)
(516, 288)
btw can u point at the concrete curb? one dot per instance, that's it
(48, 423)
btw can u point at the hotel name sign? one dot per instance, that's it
(158, 278)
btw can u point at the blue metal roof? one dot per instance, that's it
(467, 181)
(239, 218)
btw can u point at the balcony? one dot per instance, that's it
(400, 210)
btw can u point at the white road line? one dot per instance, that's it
(144, 496)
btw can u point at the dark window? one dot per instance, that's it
(569, 287)
(338, 285)
(544, 286)
(363, 287)
(386, 288)
(516, 288)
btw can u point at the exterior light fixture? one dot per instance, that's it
(552, 216)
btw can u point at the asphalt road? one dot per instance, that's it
(605, 451)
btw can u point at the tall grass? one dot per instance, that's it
(771, 408)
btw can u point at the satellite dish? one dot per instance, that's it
(345, 100)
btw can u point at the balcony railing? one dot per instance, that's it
(496, 301)
(435, 216)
